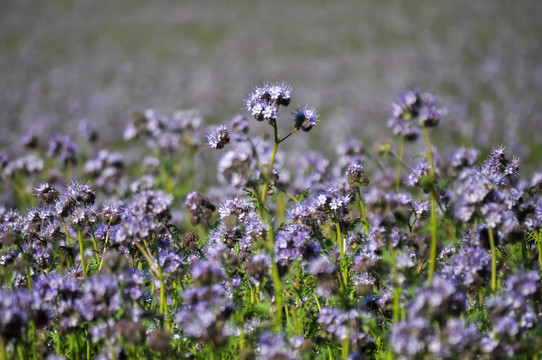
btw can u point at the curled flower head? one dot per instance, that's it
(264, 102)
(218, 137)
(305, 118)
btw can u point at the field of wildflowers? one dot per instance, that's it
(424, 257)
(319, 221)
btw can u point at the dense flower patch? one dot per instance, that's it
(426, 256)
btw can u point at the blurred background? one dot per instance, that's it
(65, 61)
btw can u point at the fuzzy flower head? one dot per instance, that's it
(264, 102)
(305, 118)
(413, 108)
(218, 137)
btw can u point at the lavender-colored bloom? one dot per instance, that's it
(218, 137)
(170, 261)
(17, 310)
(355, 176)
(29, 164)
(305, 118)
(421, 208)
(199, 206)
(258, 268)
(438, 301)
(332, 201)
(62, 146)
(239, 126)
(408, 338)
(205, 323)
(111, 214)
(46, 193)
(507, 326)
(273, 346)
(29, 140)
(324, 270)
(133, 281)
(206, 273)
(236, 167)
(418, 173)
(523, 286)
(463, 158)
(240, 208)
(290, 244)
(263, 102)
(88, 130)
(145, 216)
(470, 267)
(101, 298)
(342, 325)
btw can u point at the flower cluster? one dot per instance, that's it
(338, 257)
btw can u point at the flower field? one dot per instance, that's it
(256, 180)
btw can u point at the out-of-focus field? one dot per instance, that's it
(65, 61)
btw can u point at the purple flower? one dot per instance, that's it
(218, 137)
(263, 102)
(305, 118)
(62, 146)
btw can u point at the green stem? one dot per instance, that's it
(105, 245)
(346, 345)
(95, 243)
(433, 255)
(275, 147)
(57, 341)
(317, 302)
(20, 352)
(429, 154)
(287, 136)
(363, 213)
(493, 260)
(88, 344)
(539, 245)
(66, 232)
(81, 250)
(69, 172)
(3, 352)
(396, 287)
(342, 248)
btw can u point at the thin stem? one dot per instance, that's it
(539, 245)
(433, 237)
(81, 250)
(346, 345)
(317, 303)
(3, 352)
(433, 255)
(95, 243)
(493, 260)
(287, 136)
(429, 154)
(66, 232)
(148, 257)
(363, 213)
(20, 352)
(342, 248)
(396, 287)
(105, 245)
(264, 191)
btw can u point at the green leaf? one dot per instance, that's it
(303, 195)
(67, 252)
(92, 266)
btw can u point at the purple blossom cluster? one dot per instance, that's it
(338, 257)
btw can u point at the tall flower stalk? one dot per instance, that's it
(264, 104)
